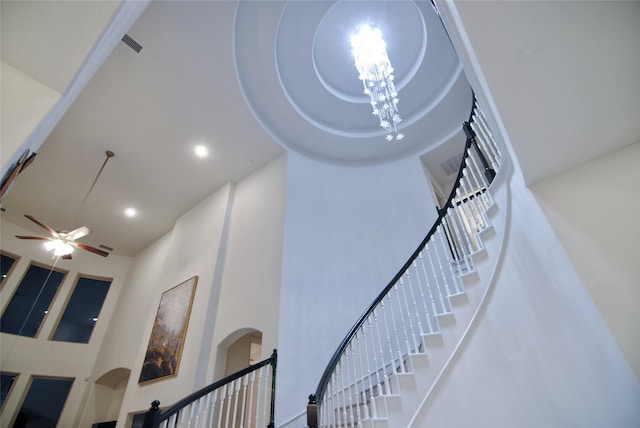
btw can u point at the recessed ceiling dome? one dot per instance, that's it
(296, 70)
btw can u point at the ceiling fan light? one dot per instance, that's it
(60, 248)
(63, 250)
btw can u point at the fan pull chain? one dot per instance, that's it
(35, 301)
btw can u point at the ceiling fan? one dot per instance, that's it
(62, 243)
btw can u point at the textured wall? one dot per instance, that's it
(594, 210)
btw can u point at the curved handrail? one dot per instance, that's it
(154, 416)
(340, 351)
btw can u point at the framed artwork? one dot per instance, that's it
(164, 350)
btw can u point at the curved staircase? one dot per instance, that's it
(393, 358)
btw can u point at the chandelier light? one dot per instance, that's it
(375, 71)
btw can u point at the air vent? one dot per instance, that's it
(104, 247)
(127, 40)
(451, 165)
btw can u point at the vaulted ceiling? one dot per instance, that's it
(249, 80)
(253, 79)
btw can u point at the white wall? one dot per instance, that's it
(540, 355)
(348, 230)
(250, 293)
(190, 249)
(563, 75)
(25, 102)
(40, 356)
(231, 240)
(594, 211)
(126, 329)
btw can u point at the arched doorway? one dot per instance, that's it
(244, 352)
(106, 397)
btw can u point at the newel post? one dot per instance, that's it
(312, 412)
(274, 366)
(489, 172)
(151, 418)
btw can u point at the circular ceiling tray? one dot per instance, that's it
(296, 71)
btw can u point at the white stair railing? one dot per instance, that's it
(378, 350)
(242, 400)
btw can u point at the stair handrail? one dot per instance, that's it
(316, 398)
(155, 416)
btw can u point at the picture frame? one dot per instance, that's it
(164, 350)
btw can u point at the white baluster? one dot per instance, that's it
(462, 238)
(377, 326)
(265, 375)
(173, 420)
(416, 303)
(480, 117)
(457, 223)
(194, 414)
(207, 417)
(347, 388)
(451, 238)
(365, 406)
(469, 227)
(396, 334)
(223, 393)
(427, 285)
(243, 395)
(374, 410)
(344, 419)
(390, 333)
(236, 398)
(435, 279)
(375, 351)
(353, 395)
(229, 399)
(395, 329)
(333, 411)
(449, 259)
(445, 281)
(485, 141)
(477, 180)
(183, 417)
(471, 203)
(409, 317)
(250, 388)
(361, 374)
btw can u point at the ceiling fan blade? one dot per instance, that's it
(78, 233)
(90, 249)
(40, 238)
(44, 226)
(67, 257)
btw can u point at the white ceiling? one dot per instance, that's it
(256, 80)
(564, 75)
(50, 40)
(248, 79)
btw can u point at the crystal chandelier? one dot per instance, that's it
(371, 59)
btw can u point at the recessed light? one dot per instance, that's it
(201, 151)
(130, 212)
